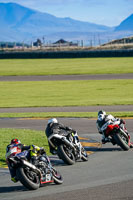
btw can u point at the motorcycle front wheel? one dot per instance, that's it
(66, 154)
(28, 178)
(58, 179)
(122, 141)
(84, 155)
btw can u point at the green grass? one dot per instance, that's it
(65, 66)
(46, 115)
(66, 93)
(27, 137)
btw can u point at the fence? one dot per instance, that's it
(66, 54)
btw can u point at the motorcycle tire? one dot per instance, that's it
(58, 179)
(84, 155)
(65, 155)
(25, 180)
(121, 141)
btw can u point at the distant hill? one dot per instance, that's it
(123, 41)
(126, 25)
(19, 22)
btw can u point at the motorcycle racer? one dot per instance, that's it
(104, 120)
(16, 148)
(54, 126)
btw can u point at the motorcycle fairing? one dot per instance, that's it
(110, 128)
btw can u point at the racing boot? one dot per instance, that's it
(14, 179)
(105, 140)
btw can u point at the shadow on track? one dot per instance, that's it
(8, 189)
(93, 149)
(58, 162)
(55, 161)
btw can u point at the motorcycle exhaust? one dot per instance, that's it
(123, 132)
(32, 167)
(13, 160)
(68, 143)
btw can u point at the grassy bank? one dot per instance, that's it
(66, 93)
(17, 67)
(27, 137)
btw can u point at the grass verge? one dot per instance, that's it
(26, 136)
(61, 114)
(16, 67)
(66, 93)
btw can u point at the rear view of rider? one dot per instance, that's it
(104, 119)
(54, 126)
(18, 149)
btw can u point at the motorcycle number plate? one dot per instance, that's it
(48, 177)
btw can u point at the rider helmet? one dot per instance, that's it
(101, 115)
(101, 112)
(15, 141)
(53, 120)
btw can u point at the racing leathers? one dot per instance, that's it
(56, 128)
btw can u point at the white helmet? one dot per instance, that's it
(101, 115)
(101, 112)
(53, 120)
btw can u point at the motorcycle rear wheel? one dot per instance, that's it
(24, 178)
(66, 154)
(122, 141)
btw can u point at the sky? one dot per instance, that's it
(106, 12)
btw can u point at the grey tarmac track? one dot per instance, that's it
(114, 108)
(67, 77)
(107, 175)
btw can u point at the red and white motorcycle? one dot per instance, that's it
(117, 134)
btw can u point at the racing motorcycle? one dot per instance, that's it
(68, 147)
(32, 176)
(117, 134)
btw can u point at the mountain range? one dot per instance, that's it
(22, 24)
(126, 25)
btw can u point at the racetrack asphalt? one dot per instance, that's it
(114, 108)
(67, 77)
(108, 174)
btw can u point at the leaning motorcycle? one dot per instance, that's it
(68, 147)
(118, 135)
(32, 176)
